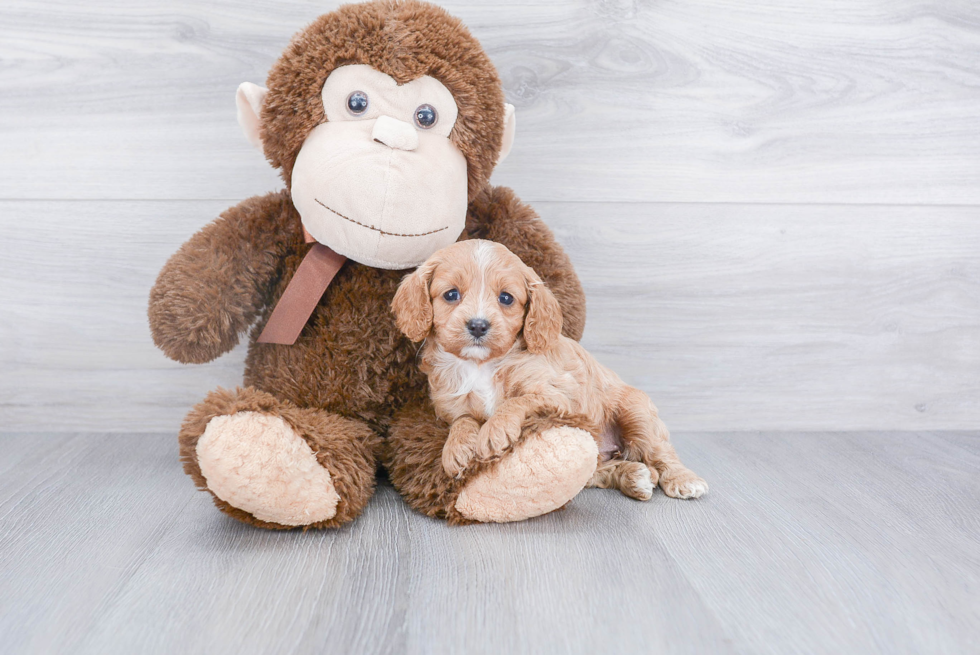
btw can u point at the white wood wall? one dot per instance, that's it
(773, 205)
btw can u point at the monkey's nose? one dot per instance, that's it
(478, 327)
(395, 133)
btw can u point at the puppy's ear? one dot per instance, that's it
(542, 325)
(412, 305)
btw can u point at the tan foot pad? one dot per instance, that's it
(257, 463)
(542, 474)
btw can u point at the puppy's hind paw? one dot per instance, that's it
(683, 483)
(639, 482)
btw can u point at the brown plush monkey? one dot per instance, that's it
(386, 120)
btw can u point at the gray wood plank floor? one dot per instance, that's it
(807, 543)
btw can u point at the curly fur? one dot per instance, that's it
(351, 375)
(417, 39)
(485, 384)
(351, 360)
(347, 449)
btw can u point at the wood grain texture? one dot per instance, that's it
(731, 317)
(871, 101)
(782, 316)
(807, 543)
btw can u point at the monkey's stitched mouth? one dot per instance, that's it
(376, 229)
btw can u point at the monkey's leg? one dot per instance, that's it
(546, 468)
(645, 439)
(274, 465)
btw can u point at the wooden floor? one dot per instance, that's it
(807, 543)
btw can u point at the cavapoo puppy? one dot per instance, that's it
(495, 356)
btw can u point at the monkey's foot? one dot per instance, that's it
(540, 475)
(257, 463)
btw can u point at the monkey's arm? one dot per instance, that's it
(498, 215)
(212, 288)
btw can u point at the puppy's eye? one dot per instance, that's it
(357, 102)
(451, 296)
(505, 298)
(425, 116)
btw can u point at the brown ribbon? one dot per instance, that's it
(302, 294)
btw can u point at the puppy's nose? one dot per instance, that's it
(478, 327)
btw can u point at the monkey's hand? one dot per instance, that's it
(460, 447)
(212, 288)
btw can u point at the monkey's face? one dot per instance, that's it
(380, 181)
(386, 119)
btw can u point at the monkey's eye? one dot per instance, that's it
(357, 102)
(451, 296)
(505, 298)
(425, 116)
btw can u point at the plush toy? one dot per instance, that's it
(386, 120)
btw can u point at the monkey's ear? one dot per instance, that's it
(510, 128)
(412, 305)
(249, 99)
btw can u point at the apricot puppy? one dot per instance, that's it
(495, 356)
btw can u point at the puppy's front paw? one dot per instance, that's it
(460, 447)
(456, 457)
(497, 435)
(682, 483)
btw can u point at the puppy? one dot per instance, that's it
(495, 356)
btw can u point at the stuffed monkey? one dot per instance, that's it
(386, 120)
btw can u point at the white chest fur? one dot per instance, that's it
(468, 382)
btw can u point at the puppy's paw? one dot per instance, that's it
(682, 483)
(455, 458)
(460, 447)
(638, 481)
(497, 435)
